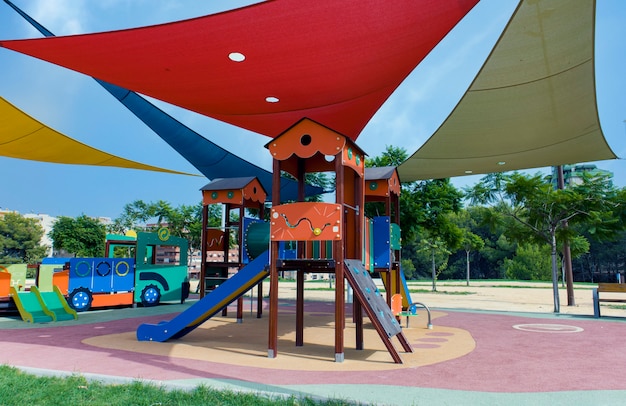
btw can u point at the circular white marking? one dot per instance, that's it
(236, 57)
(548, 328)
(272, 99)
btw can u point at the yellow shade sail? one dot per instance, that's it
(533, 103)
(23, 137)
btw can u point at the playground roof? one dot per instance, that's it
(532, 104)
(23, 137)
(383, 172)
(228, 183)
(268, 65)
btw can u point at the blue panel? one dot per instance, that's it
(123, 274)
(102, 275)
(382, 237)
(81, 273)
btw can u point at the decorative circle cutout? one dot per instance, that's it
(117, 268)
(163, 233)
(306, 139)
(104, 272)
(77, 266)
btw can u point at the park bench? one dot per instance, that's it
(607, 288)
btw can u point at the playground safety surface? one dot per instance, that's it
(469, 357)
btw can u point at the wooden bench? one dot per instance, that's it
(607, 288)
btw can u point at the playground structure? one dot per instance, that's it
(308, 147)
(328, 237)
(153, 270)
(234, 194)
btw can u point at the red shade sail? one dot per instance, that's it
(266, 66)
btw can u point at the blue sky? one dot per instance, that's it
(78, 107)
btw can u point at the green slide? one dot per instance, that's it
(42, 307)
(56, 304)
(30, 307)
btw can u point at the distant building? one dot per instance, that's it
(573, 174)
(46, 222)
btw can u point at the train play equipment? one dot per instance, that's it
(146, 270)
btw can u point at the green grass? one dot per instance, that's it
(19, 388)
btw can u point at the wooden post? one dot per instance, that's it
(203, 244)
(338, 255)
(272, 350)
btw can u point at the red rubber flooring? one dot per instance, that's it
(473, 352)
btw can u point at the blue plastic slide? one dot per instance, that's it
(208, 306)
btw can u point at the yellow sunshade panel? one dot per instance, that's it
(533, 103)
(23, 137)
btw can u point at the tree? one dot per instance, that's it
(392, 156)
(471, 242)
(531, 262)
(531, 202)
(438, 254)
(20, 240)
(82, 236)
(184, 221)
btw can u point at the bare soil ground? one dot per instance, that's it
(536, 297)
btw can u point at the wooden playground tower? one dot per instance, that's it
(233, 194)
(308, 147)
(382, 185)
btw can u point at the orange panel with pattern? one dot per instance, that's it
(305, 221)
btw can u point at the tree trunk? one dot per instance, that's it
(434, 271)
(555, 276)
(468, 265)
(569, 274)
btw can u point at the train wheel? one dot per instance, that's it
(80, 299)
(150, 296)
